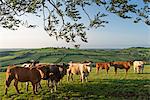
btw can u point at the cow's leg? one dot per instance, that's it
(86, 76)
(107, 70)
(126, 73)
(21, 85)
(6, 89)
(97, 70)
(40, 85)
(134, 69)
(138, 69)
(115, 70)
(52, 86)
(50, 83)
(68, 74)
(7, 85)
(142, 69)
(82, 77)
(55, 86)
(16, 86)
(27, 85)
(72, 77)
(86, 79)
(107, 73)
(34, 86)
(60, 82)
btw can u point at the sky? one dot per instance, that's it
(119, 33)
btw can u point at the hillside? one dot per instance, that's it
(59, 55)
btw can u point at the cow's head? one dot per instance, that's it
(63, 69)
(44, 71)
(89, 68)
(9, 76)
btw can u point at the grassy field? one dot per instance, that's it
(99, 87)
(59, 55)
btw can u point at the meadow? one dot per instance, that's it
(100, 87)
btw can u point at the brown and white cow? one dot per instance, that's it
(102, 65)
(79, 68)
(121, 65)
(56, 73)
(138, 66)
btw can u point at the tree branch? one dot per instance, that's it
(57, 11)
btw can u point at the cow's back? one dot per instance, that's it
(24, 74)
(74, 69)
(103, 65)
(121, 64)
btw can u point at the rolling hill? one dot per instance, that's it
(60, 55)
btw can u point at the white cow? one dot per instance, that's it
(138, 66)
(79, 68)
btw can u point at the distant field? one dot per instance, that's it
(60, 55)
(135, 87)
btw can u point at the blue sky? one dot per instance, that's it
(119, 33)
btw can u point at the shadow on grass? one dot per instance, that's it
(144, 73)
(108, 89)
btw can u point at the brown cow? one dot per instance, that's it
(21, 74)
(102, 65)
(29, 64)
(122, 65)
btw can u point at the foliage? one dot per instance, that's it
(63, 18)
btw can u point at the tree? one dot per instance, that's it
(63, 18)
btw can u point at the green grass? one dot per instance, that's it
(99, 87)
(59, 55)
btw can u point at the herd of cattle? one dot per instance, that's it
(34, 71)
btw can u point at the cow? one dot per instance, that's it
(138, 66)
(102, 65)
(121, 65)
(29, 64)
(79, 68)
(21, 74)
(57, 72)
